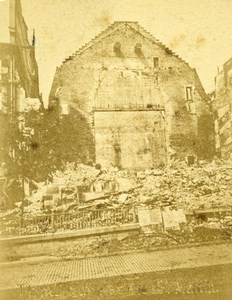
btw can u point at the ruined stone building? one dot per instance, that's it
(136, 103)
(222, 107)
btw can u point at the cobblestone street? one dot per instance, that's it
(31, 274)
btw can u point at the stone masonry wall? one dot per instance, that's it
(126, 70)
(138, 135)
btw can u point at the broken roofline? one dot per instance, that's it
(122, 24)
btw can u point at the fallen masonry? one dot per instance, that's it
(205, 185)
(83, 196)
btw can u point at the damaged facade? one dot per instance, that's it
(222, 107)
(138, 103)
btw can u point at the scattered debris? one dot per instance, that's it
(168, 198)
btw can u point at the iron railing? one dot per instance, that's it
(56, 222)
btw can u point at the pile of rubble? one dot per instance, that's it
(204, 185)
(171, 197)
(87, 186)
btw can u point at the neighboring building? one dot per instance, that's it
(222, 107)
(19, 82)
(18, 67)
(135, 101)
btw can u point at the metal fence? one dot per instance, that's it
(56, 222)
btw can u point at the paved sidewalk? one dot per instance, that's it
(99, 267)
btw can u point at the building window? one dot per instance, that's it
(155, 62)
(4, 69)
(3, 99)
(138, 47)
(189, 93)
(118, 49)
(191, 105)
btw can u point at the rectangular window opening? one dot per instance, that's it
(155, 62)
(189, 93)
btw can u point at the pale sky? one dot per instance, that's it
(199, 31)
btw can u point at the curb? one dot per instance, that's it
(50, 259)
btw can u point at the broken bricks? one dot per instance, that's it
(202, 185)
